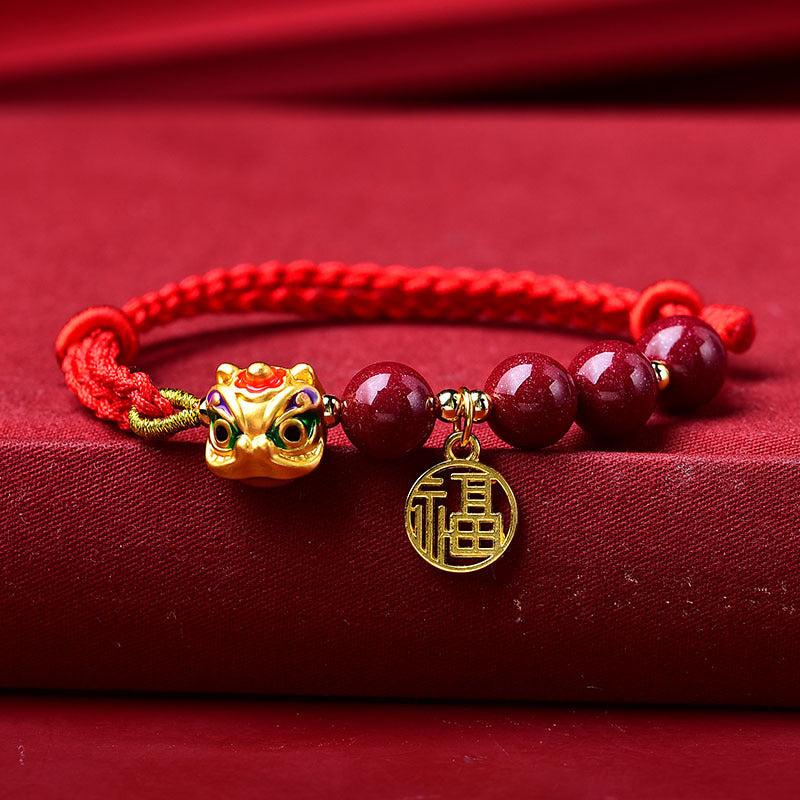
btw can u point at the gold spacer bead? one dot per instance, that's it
(449, 405)
(482, 405)
(447, 402)
(662, 374)
(331, 410)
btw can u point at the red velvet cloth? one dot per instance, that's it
(664, 570)
(351, 48)
(104, 747)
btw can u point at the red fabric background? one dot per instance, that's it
(663, 570)
(97, 748)
(385, 48)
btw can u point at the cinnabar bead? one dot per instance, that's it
(388, 410)
(533, 400)
(617, 388)
(695, 357)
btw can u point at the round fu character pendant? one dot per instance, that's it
(461, 514)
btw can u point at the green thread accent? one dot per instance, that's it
(187, 417)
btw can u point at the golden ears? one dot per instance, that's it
(303, 372)
(225, 373)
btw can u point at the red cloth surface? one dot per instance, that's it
(665, 569)
(368, 47)
(100, 747)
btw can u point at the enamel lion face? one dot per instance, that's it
(265, 424)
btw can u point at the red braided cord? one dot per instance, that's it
(90, 343)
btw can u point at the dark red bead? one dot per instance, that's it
(388, 410)
(617, 388)
(695, 356)
(533, 400)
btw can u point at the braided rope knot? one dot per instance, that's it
(667, 298)
(89, 348)
(735, 325)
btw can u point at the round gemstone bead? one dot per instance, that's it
(695, 356)
(533, 400)
(617, 388)
(388, 410)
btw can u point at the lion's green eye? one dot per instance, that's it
(294, 432)
(223, 434)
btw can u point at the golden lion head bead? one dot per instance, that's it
(265, 423)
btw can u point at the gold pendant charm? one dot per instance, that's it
(461, 514)
(266, 425)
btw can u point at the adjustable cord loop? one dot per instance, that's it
(668, 298)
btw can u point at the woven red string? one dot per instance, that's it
(92, 343)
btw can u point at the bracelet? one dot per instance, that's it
(267, 424)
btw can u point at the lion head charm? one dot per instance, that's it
(265, 424)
